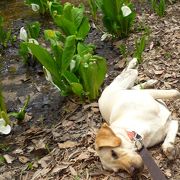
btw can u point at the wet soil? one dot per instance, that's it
(56, 139)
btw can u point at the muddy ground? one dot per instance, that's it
(56, 139)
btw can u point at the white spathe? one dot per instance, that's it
(34, 41)
(72, 64)
(4, 129)
(126, 10)
(49, 77)
(106, 36)
(23, 34)
(35, 7)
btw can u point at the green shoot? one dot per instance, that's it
(21, 114)
(123, 50)
(159, 6)
(139, 48)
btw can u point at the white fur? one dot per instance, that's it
(126, 108)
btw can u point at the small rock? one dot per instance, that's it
(9, 159)
(168, 173)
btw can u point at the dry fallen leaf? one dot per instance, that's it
(67, 144)
(23, 159)
(39, 143)
(9, 159)
(18, 151)
(44, 161)
(121, 63)
(158, 72)
(83, 155)
(59, 168)
(73, 171)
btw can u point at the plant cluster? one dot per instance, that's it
(139, 48)
(159, 6)
(41, 6)
(28, 34)
(118, 16)
(5, 123)
(72, 21)
(70, 65)
(5, 35)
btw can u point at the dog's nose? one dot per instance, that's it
(134, 170)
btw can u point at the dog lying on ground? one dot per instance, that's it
(127, 108)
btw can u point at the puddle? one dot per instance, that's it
(14, 9)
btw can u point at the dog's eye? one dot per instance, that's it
(114, 154)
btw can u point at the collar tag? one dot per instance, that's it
(133, 136)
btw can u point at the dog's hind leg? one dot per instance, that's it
(127, 78)
(168, 144)
(148, 84)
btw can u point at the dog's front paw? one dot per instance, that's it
(169, 150)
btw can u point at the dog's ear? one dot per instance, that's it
(106, 137)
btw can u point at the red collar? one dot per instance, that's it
(131, 135)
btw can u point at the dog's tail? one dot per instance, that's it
(163, 94)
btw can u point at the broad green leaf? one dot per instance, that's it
(58, 51)
(44, 58)
(77, 89)
(83, 72)
(66, 25)
(55, 7)
(101, 69)
(83, 49)
(70, 77)
(99, 3)
(33, 30)
(63, 86)
(110, 9)
(68, 53)
(67, 12)
(83, 29)
(92, 72)
(77, 14)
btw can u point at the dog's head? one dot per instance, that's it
(113, 156)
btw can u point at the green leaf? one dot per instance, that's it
(55, 7)
(70, 77)
(24, 52)
(33, 30)
(83, 49)
(67, 11)
(66, 25)
(44, 58)
(58, 51)
(101, 69)
(1, 21)
(77, 14)
(68, 53)
(77, 89)
(92, 71)
(83, 29)
(110, 9)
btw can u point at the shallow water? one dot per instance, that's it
(14, 9)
